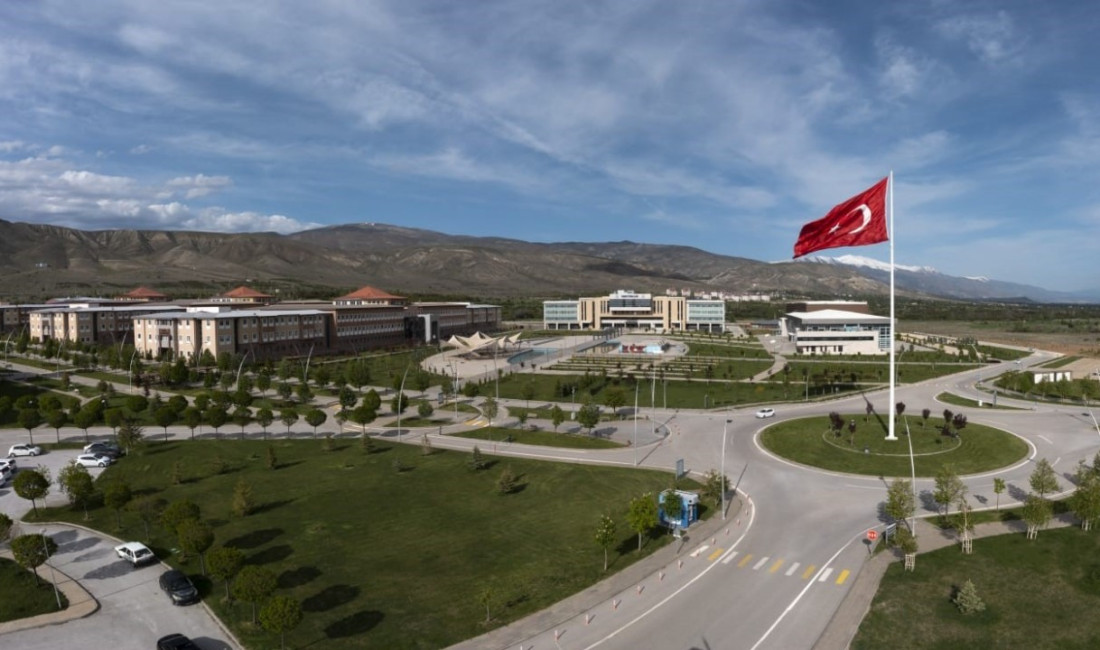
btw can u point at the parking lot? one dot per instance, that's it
(133, 612)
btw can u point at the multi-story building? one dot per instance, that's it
(262, 333)
(632, 310)
(828, 330)
(89, 323)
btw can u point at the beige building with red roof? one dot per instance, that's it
(243, 294)
(143, 294)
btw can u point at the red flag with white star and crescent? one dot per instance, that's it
(859, 221)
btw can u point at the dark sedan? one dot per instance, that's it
(179, 587)
(176, 642)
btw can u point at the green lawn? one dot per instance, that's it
(1038, 594)
(957, 400)
(383, 559)
(809, 441)
(21, 596)
(544, 438)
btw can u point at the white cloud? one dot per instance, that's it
(992, 38)
(199, 185)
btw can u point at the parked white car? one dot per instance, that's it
(24, 450)
(92, 460)
(765, 413)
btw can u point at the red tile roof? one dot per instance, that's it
(244, 292)
(370, 293)
(145, 293)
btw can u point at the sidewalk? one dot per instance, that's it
(81, 603)
(840, 632)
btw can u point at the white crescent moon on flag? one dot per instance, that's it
(866, 218)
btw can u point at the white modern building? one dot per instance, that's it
(835, 331)
(627, 309)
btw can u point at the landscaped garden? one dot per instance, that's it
(391, 546)
(1040, 593)
(856, 444)
(23, 595)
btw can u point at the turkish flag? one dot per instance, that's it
(859, 221)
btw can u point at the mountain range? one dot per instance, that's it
(41, 261)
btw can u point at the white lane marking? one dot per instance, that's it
(762, 562)
(791, 570)
(797, 598)
(656, 606)
(824, 575)
(1045, 439)
(699, 550)
(729, 558)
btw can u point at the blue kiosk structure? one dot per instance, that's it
(689, 509)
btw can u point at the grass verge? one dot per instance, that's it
(22, 596)
(543, 438)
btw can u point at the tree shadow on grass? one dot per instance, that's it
(271, 505)
(160, 448)
(297, 577)
(330, 598)
(271, 554)
(358, 623)
(255, 538)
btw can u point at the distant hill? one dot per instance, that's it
(38, 261)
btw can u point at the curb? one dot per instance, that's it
(81, 604)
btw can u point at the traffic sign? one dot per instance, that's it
(872, 535)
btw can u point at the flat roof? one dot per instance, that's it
(836, 315)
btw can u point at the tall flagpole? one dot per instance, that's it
(892, 413)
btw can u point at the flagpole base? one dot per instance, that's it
(890, 438)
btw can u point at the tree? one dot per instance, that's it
(642, 515)
(83, 419)
(6, 525)
(1037, 512)
(196, 536)
(899, 500)
(527, 392)
(315, 418)
(713, 486)
(192, 418)
(149, 509)
(32, 484)
(399, 403)
(129, 435)
(949, 488)
(285, 390)
(116, 495)
(477, 460)
(426, 446)
(605, 536)
(280, 615)
(924, 415)
(244, 501)
(967, 599)
(347, 398)
(178, 512)
(253, 585)
(614, 399)
(75, 481)
(557, 416)
(165, 417)
(289, 417)
(303, 392)
(489, 407)
(424, 410)
(56, 419)
(372, 400)
(264, 418)
(1086, 498)
(1043, 480)
(29, 418)
(357, 373)
(588, 416)
(225, 562)
(998, 489)
(363, 415)
(672, 505)
(507, 482)
(31, 551)
(486, 597)
(216, 416)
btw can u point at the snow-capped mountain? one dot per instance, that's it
(928, 280)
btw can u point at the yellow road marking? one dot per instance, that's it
(808, 572)
(842, 577)
(745, 560)
(775, 567)
(716, 554)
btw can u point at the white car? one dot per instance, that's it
(135, 553)
(765, 413)
(24, 450)
(92, 460)
(7, 464)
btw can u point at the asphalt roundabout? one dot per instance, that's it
(811, 441)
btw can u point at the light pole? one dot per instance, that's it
(722, 471)
(913, 479)
(130, 372)
(454, 368)
(400, 401)
(635, 424)
(53, 578)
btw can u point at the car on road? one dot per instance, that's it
(176, 642)
(23, 450)
(765, 413)
(135, 553)
(93, 460)
(105, 448)
(179, 587)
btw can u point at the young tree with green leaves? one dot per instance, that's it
(642, 515)
(557, 416)
(1086, 498)
(948, 489)
(1037, 513)
(672, 506)
(253, 585)
(424, 410)
(288, 417)
(32, 550)
(967, 599)
(224, 563)
(998, 489)
(148, 508)
(178, 512)
(1043, 479)
(264, 417)
(507, 482)
(32, 484)
(116, 495)
(605, 536)
(899, 501)
(315, 418)
(6, 526)
(196, 536)
(75, 481)
(280, 615)
(588, 416)
(129, 435)
(489, 407)
(244, 501)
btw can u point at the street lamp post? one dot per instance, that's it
(130, 372)
(401, 401)
(722, 471)
(53, 578)
(913, 478)
(635, 424)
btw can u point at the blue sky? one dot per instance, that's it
(723, 125)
